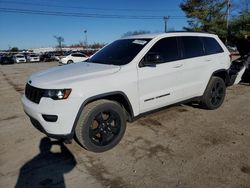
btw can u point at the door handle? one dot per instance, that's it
(208, 60)
(178, 66)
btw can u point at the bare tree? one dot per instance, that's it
(60, 40)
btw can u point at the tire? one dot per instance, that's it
(70, 62)
(214, 94)
(101, 125)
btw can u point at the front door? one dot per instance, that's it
(160, 75)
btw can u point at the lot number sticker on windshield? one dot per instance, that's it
(141, 42)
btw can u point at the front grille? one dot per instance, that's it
(34, 94)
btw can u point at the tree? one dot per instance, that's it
(14, 49)
(206, 15)
(60, 40)
(240, 25)
(131, 33)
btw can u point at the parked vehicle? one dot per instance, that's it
(19, 58)
(33, 58)
(245, 60)
(73, 58)
(59, 55)
(232, 49)
(123, 81)
(46, 58)
(6, 60)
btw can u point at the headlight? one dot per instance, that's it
(57, 94)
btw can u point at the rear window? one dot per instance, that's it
(167, 48)
(192, 47)
(211, 46)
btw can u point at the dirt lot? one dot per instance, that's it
(180, 146)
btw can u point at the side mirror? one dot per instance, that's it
(151, 59)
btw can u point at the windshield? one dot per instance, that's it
(20, 56)
(33, 55)
(120, 52)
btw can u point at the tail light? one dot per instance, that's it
(231, 57)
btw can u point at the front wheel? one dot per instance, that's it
(70, 62)
(101, 125)
(215, 94)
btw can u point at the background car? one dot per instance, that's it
(46, 58)
(33, 58)
(19, 58)
(6, 60)
(73, 58)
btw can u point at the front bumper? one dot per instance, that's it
(66, 110)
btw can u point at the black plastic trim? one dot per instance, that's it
(50, 118)
(227, 81)
(165, 107)
(39, 127)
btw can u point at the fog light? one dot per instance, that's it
(50, 118)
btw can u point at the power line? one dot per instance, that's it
(88, 15)
(87, 8)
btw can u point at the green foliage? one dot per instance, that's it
(240, 25)
(131, 33)
(14, 49)
(206, 15)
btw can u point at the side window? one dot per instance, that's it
(82, 55)
(167, 49)
(192, 47)
(74, 55)
(211, 46)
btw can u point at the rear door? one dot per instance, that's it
(196, 66)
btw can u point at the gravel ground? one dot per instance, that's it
(180, 146)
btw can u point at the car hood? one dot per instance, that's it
(64, 76)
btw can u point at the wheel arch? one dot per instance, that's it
(117, 96)
(223, 74)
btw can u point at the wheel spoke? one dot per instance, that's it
(105, 128)
(96, 131)
(113, 129)
(99, 118)
(110, 119)
(104, 138)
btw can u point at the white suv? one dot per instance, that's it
(124, 80)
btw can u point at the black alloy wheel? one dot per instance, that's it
(101, 125)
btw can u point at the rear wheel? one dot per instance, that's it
(214, 94)
(101, 125)
(69, 62)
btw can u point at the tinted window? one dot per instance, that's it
(167, 48)
(74, 55)
(81, 55)
(192, 47)
(211, 46)
(119, 52)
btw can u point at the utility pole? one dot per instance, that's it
(166, 18)
(228, 12)
(86, 39)
(228, 16)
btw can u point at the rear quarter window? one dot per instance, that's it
(211, 46)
